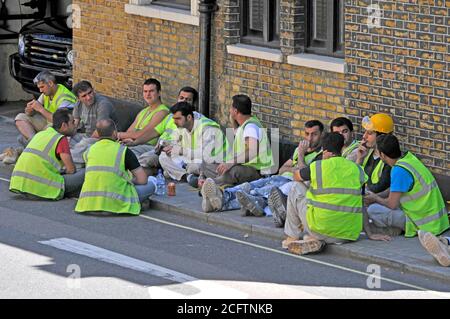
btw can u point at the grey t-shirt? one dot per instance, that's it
(102, 109)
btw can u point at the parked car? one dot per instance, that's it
(44, 44)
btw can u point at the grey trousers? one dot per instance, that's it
(383, 216)
(296, 216)
(236, 175)
(73, 182)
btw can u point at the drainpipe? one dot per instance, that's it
(206, 8)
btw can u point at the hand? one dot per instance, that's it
(223, 168)
(362, 151)
(168, 150)
(380, 237)
(128, 142)
(370, 198)
(37, 106)
(303, 147)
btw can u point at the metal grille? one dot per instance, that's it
(47, 50)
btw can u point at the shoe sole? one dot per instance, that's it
(298, 248)
(209, 192)
(433, 246)
(249, 205)
(277, 207)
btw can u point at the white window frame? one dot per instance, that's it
(145, 8)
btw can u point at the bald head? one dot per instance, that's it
(106, 129)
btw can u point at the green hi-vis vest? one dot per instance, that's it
(166, 128)
(308, 159)
(145, 116)
(264, 159)
(62, 94)
(350, 148)
(37, 170)
(377, 171)
(196, 138)
(107, 185)
(423, 205)
(334, 200)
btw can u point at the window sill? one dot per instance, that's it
(317, 62)
(255, 52)
(163, 13)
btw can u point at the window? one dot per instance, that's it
(325, 27)
(260, 22)
(179, 4)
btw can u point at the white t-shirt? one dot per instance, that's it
(252, 130)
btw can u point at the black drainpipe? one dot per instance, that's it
(206, 8)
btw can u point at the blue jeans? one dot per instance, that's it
(261, 188)
(144, 191)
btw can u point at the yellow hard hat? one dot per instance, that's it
(379, 122)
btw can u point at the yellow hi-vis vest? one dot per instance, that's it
(107, 185)
(264, 159)
(62, 94)
(350, 148)
(377, 171)
(334, 199)
(145, 116)
(37, 170)
(196, 138)
(308, 159)
(423, 205)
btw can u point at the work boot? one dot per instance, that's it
(251, 203)
(304, 247)
(285, 243)
(6, 151)
(277, 203)
(11, 155)
(192, 180)
(212, 196)
(436, 247)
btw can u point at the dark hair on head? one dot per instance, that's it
(81, 86)
(389, 145)
(61, 116)
(155, 82)
(184, 107)
(341, 121)
(189, 89)
(105, 128)
(312, 123)
(243, 104)
(333, 142)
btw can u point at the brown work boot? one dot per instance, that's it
(436, 247)
(285, 243)
(11, 155)
(304, 247)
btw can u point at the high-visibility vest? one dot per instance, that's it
(196, 138)
(423, 205)
(145, 116)
(264, 159)
(334, 199)
(107, 185)
(166, 128)
(37, 170)
(377, 171)
(308, 159)
(350, 148)
(62, 94)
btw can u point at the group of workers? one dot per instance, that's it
(330, 190)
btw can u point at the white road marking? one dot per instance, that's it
(278, 251)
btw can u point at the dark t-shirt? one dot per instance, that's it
(131, 161)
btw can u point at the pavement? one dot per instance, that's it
(403, 254)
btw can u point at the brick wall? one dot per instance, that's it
(117, 51)
(402, 68)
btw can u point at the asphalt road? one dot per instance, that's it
(48, 251)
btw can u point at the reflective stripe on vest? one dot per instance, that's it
(131, 200)
(62, 94)
(336, 208)
(37, 179)
(426, 220)
(350, 148)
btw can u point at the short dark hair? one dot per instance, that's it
(189, 89)
(81, 86)
(105, 127)
(333, 142)
(389, 145)
(341, 121)
(243, 104)
(155, 82)
(312, 123)
(184, 107)
(60, 116)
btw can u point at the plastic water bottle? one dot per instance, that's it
(160, 184)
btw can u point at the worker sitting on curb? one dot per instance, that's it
(108, 185)
(39, 170)
(331, 210)
(414, 196)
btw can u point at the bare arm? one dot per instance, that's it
(68, 163)
(140, 177)
(287, 167)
